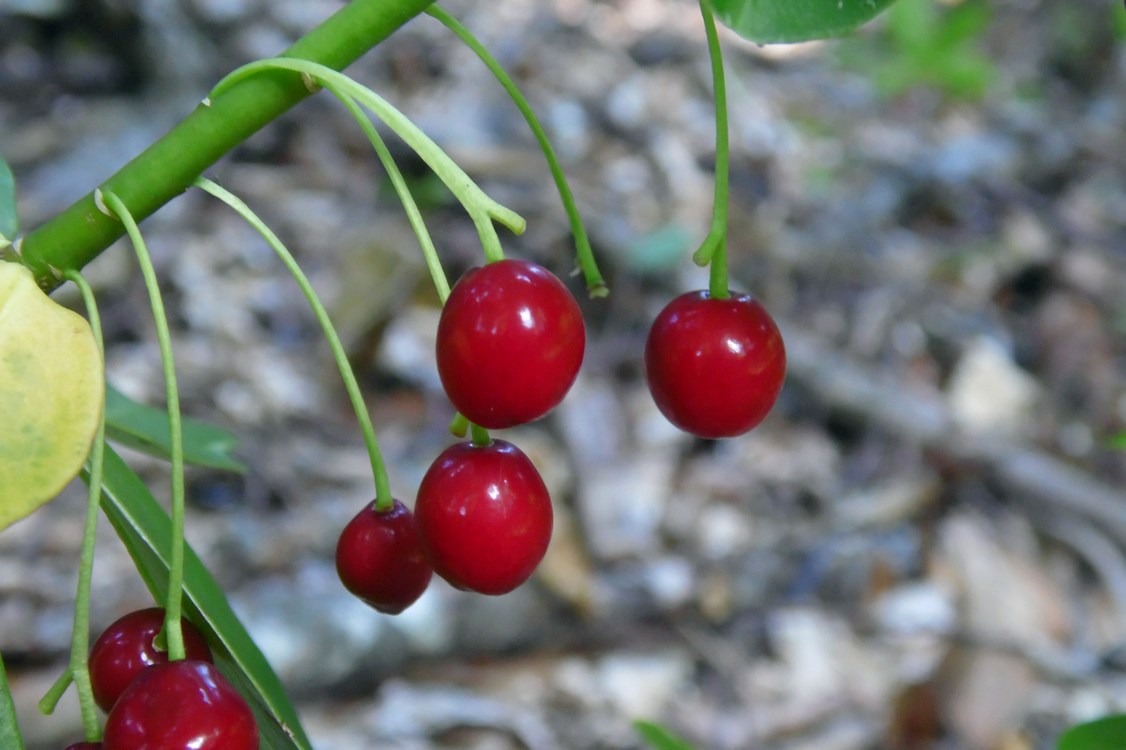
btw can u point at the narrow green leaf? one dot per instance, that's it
(145, 529)
(768, 21)
(660, 738)
(10, 737)
(9, 222)
(1102, 734)
(145, 428)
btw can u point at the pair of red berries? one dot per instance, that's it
(156, 703)
(482, 521)
(510, 343)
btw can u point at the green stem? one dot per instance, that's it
(383, 499)
(55, 693)
(167, 167)
(595, 284)
(483, 209)
(713, 250)
(480, 435)
(173, 633)
(80, 639)
(718, 287)
(414, 216)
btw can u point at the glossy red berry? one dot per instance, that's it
(715, 366)
(484, 516)
(181, 705)
(127, 647)
(510, 343)
(380, 560)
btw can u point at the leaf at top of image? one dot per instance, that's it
(1102, 734)
(145, 428)
(9, 223)
(774, 21)
(52, 395)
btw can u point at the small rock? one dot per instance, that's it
(989, 393)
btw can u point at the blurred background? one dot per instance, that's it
(922, 546)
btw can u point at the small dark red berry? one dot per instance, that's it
(484, 516)
(510, 342)
(127, 647)
(380, 560)
(715, 366)
(181, 705)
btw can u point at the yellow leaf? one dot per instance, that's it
(52, 391)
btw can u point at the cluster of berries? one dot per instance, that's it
(510, 343)
(153, 702)
(509, 346)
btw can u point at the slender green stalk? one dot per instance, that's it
(459, 426)
(80, 638)
(713, 251)
(383, 499)
(414, 216)
(9, 727)
(167, 167)
(173, 607)
(55, 693)
(479, 435)
(483, 209)
(596, 285)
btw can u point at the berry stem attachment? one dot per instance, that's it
(595, 284)
(80, 638)
(174, 604)
(483, 209)
(480, 436)
(713, 251)
(383, 499)
(459, 426)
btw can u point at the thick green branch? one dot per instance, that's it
(167, 168)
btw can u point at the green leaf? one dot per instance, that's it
(660, 738)
(145, 428)
(766, 21)
(911, 23)
(9, 222)
(961, 27)
(1102, 734)
(10, 737)
(1118, 441)
(146, 530)
(52, 387)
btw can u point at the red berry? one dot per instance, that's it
(181, 705)
(126, 648)
(714, 366)
(510, 343)
(380, 560)
(484, 516)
